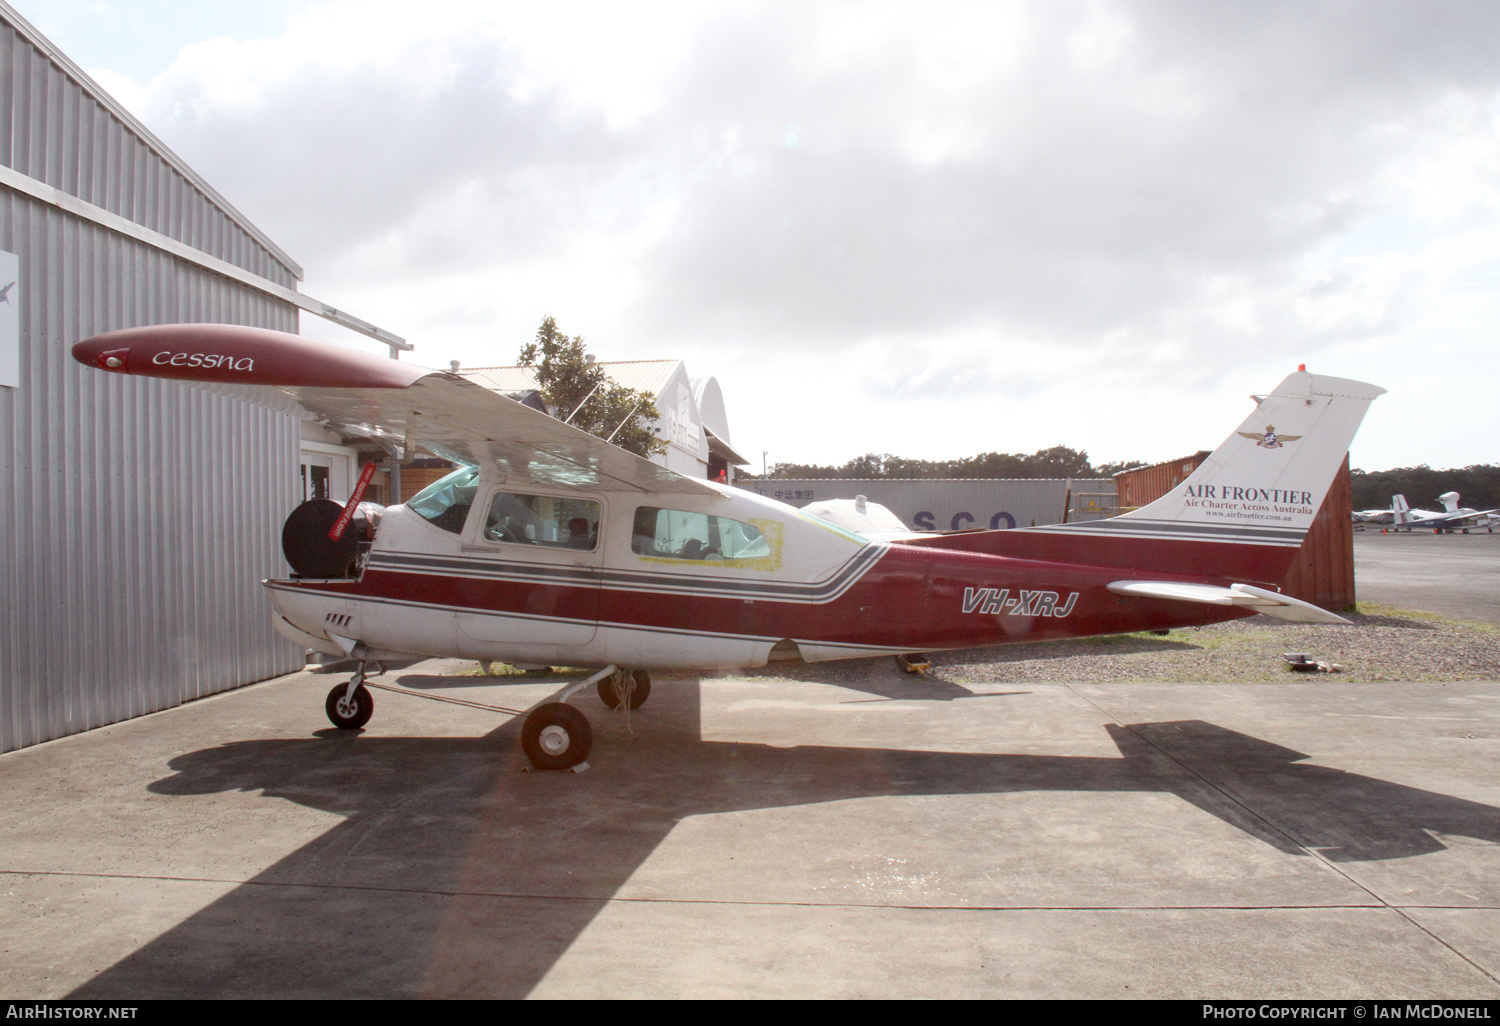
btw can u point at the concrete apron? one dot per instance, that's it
(1454, 575)
(769, 838)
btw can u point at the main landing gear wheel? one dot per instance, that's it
(609, 691)
(556, 736)
(349, 713)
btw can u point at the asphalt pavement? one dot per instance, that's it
(768, 838)
(1454, 575)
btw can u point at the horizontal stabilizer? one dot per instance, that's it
(1262, 601)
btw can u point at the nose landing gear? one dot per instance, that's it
(349, 712)
(350, 705)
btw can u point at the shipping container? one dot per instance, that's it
(1323, 572)
(1144, 485)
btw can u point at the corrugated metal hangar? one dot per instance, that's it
(136, 514)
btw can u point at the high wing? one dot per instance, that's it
(401, 406)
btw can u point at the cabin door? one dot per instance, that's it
(537, 570)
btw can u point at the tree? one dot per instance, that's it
(1478, 486)
(577, 390)
(1058, 461)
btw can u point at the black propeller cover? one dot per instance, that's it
(307, 547)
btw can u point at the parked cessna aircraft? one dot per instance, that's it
(1453, 518)
(550, 546)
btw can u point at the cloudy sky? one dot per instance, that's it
(926, 229)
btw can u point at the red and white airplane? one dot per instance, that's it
(550, 546)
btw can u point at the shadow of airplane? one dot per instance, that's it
(455, 874)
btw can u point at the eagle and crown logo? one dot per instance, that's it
(1269, 440)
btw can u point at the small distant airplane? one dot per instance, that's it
(549, 546)
(1384, 517)
(1453, 518)
(5, 292)
(1397, 514)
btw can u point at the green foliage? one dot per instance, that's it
(1058, 461)
(1478, 486)
(577, 390)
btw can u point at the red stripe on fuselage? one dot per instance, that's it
(1158, 558)
(911, 598)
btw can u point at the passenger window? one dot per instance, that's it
(446, 501)
(676, 534)
(543, 520)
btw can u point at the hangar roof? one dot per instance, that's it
(99, 95)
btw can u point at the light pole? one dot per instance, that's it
(763, 462)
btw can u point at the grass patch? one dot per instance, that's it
(1382, 644)
(1375, 609)
(495, 670)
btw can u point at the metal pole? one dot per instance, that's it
(616, 431)
(586, 399)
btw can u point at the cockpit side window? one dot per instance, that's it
(546, 520)
(446, 501)
(677, 534)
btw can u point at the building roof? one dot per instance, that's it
(99, 95)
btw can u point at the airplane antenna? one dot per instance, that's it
(616, 431)
(586, 399)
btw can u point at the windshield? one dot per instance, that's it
(446, 501)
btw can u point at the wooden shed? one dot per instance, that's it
(1322, 573)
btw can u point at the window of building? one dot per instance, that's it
(446, 501)
(550, 520)
(676, 534)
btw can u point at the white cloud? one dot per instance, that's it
(923, 211)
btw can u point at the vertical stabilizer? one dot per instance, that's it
(1400, 511)
(1241, 515)
(1265, 482)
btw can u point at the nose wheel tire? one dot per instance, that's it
(349, 713)
(556, 736)
(609, 692)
